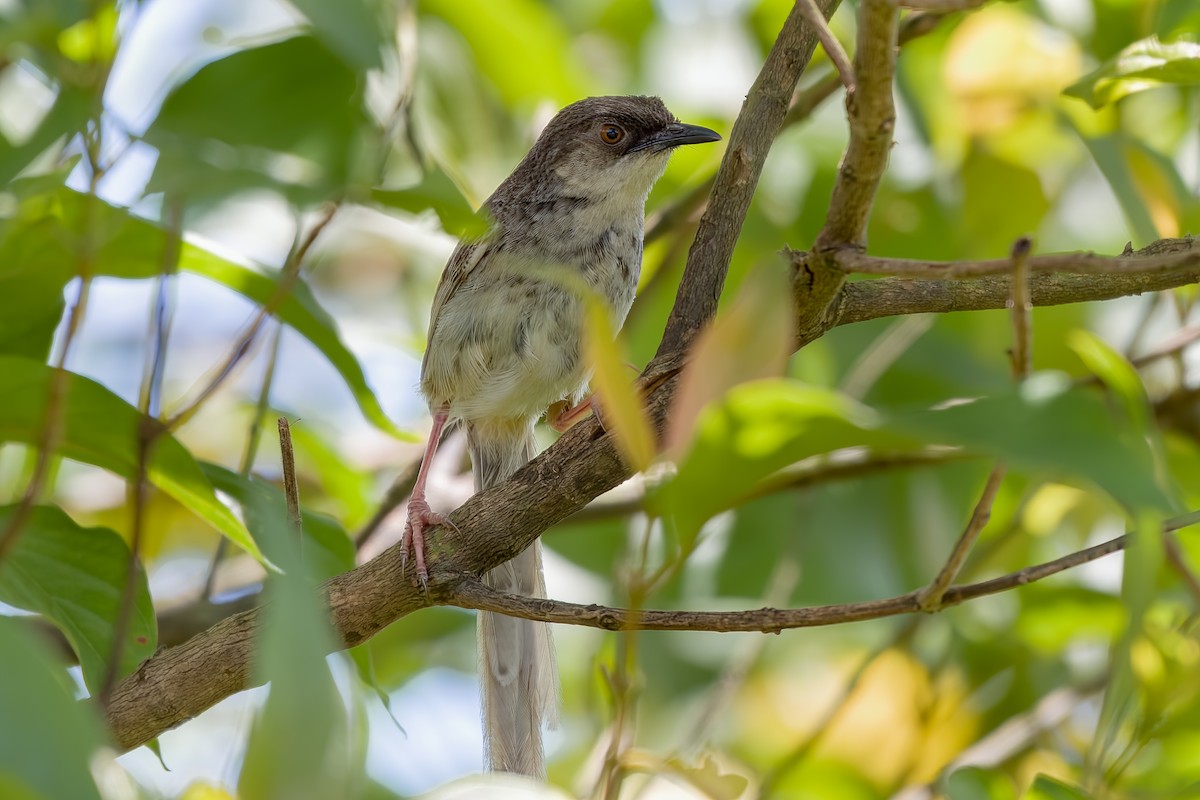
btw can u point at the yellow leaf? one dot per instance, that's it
(612, 381)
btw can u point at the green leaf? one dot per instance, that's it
(1110, 155)
(299, 743)
(297, 126)
(1046, 426)
(75, 577)
(328, 550)
(352, 28)
(69, 114)
(37, 249)
(47, 738)
(437, 191)
(497, 31)
(1047, 788)
(975, 783)
(1146, 64)
(100, 428)
(759, 428)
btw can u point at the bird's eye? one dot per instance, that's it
(611, 134)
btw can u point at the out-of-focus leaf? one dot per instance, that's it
(710, 780)
(994, 220)
(1046, 788)
(298, 744)
(100, 428)
(751, 340)
(47, 738)
(1045, 426)
(329, 550)
(974, 783)
(1107, 151)
(287, 115)
(38, 249)
(353, 29)
(1145, 64)
(763, 426)
(92, 40)
(437, 191)
(499, 31)
(75, 577)
(205, 791)
(67, 116)
(624, 414)
(756, 429)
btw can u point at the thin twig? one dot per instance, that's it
(291, 489)
(249, 452)
(932, 595)
(1022, 307)
(829, 42)
(473, 594)
(287, 279)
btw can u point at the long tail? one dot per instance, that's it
(517, 672)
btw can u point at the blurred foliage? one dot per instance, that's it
(146, 142)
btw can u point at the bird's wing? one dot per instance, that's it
(465, 258)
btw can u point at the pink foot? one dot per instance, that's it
(561, 416)
(420, 516)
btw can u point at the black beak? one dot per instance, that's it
(674, 135)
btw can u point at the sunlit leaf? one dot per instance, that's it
(1145, 64)
(75, 577)
(621, 407)
(47, 738)
(752, 339)
(100, 428)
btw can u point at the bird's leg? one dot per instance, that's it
(561, 415)
(420, 514)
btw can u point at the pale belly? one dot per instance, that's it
(510, 347)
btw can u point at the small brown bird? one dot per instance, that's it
(506, 342)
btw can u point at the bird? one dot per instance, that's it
(506, 343)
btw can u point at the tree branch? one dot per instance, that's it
(473, 594)
(1166, 264)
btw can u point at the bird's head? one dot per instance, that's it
(611, 147)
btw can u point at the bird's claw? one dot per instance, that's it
(420, 516)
